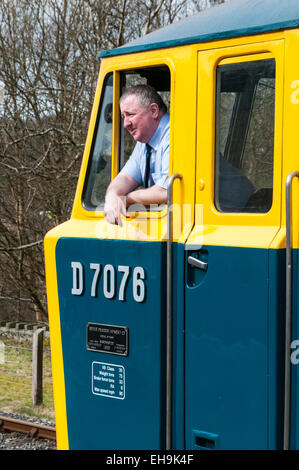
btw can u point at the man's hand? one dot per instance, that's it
(122, 193)
(115, 200)
(114, 206)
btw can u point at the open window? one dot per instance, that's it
(245, 110)
(100, 166)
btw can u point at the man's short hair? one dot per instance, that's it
(146, 95)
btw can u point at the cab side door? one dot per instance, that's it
(234, 263)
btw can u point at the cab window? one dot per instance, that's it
(99, 166)
(100, 162)
(244, 147)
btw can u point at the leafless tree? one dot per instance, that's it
(48, 67)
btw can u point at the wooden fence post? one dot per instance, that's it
(37, 367)
(2, 353)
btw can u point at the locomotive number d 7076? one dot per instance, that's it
(105, 278)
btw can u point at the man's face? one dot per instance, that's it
(141, 122)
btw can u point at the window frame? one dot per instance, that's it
(117, 136)
(87, 176)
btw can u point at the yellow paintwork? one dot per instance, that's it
(192, 134)
(55, 342)
(290, 126)
(182, 104)
(191, 155)
(234, 229)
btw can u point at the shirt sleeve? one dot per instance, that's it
(132, 166)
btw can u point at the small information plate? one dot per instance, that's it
(108, 380)
(108, 339)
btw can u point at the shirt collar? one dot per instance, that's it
(154, 141)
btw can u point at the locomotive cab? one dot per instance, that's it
(175, 330)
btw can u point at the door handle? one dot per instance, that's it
(197, 263)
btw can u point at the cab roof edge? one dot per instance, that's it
(234, 18)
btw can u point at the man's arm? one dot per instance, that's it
(115, 203)
(153, 195)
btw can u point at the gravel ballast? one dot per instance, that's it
(21, 441)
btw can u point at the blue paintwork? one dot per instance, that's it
(97, 422)
(234, 349)
(228, 345)
(294, 438)
(231, 19)
(178, 409)
(276, 354)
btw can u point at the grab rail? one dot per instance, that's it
(169, 358)
(288, 316)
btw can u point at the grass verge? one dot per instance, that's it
(16, 378)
